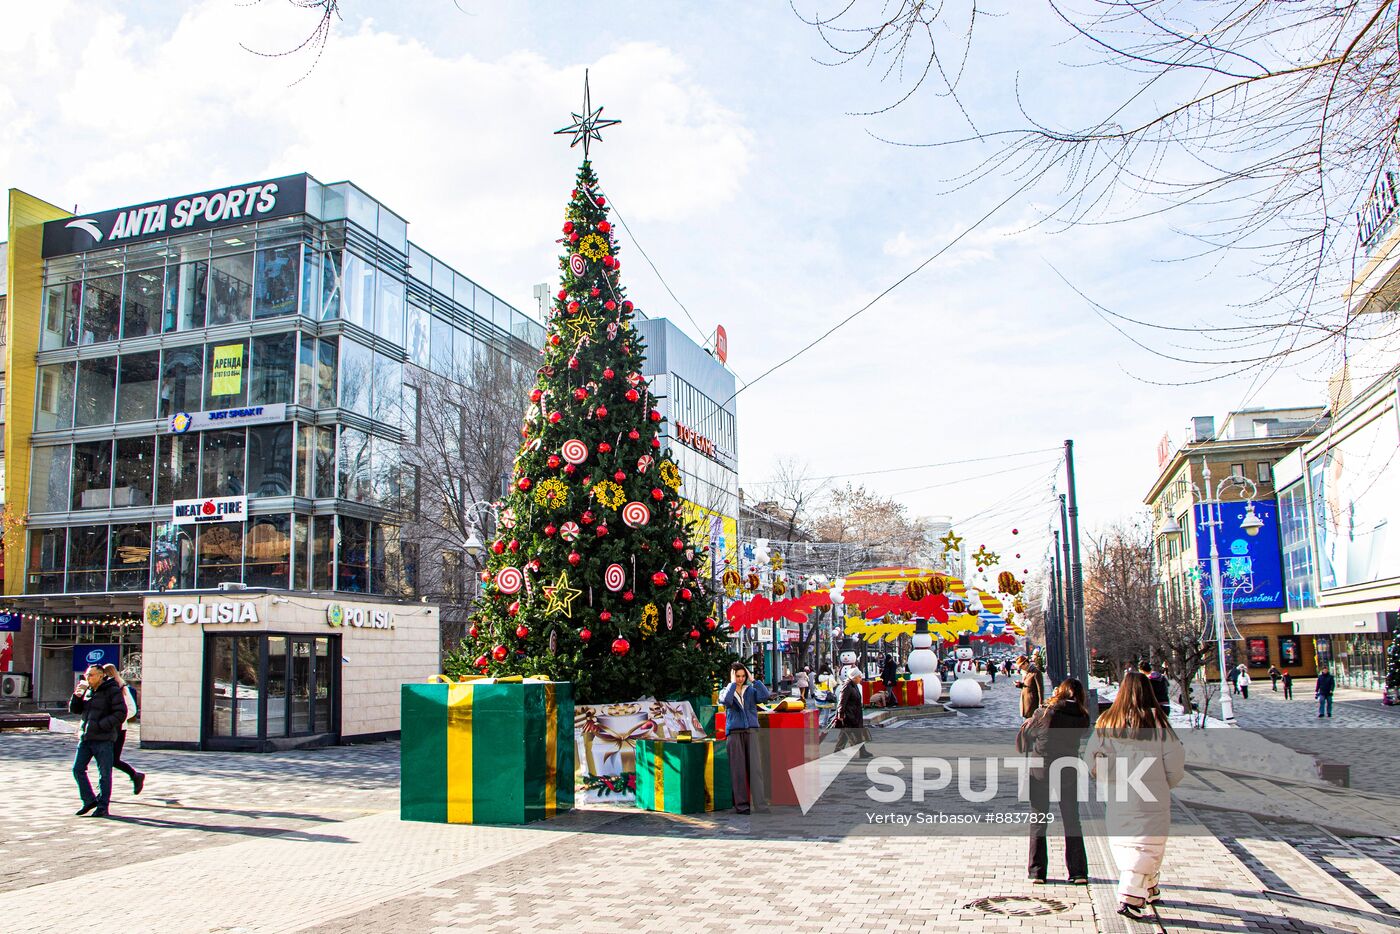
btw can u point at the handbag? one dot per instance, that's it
(1025, 736)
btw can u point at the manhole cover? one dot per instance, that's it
(1018, 906)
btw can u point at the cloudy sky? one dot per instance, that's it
(740, 169)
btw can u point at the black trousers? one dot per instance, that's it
(1076, 860)
(745, 769)
(1288, 690)
(119, 765)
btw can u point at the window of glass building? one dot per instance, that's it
(386, 400)
(326, 356)
(87, 558)
(272, 372)
(322, 540)
(143, 296)
(221, 468)
(270, 460)
(301, 556)
(130, 557)
(468, 352)
(177, 468)
(301, 481)
(230, 289)
(47, 550)
(356, 377)
(275, 283)
(92, 475)
(325, 462)
(48, 478)
(306, 372)
(225, 374)
(267, 551)
(420, 264)
(358, 304)
(310, 283)
(362, 209)
(175, 557)
(181, 380)
(61, 302)
(385, 468)
(442, 278)
(440, 356)
(53, 409)
(381, 565)
(412, 413)
(332, 285)
(388, 308)
(464, 293)
(102, 303)
(133, 472)
(416, 336)
(220, 554)
(354, 469)
(1297, 548)
(409, 489)
(410, 568)
(97, 391)
(392, 230)
(138, 384)
(187, 296)
(352, 572)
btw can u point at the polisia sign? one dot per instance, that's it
(161, 612)
(213, 509)
(255, 201)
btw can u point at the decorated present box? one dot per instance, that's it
(909, 693)
(683, 777)
(869, 688)
(788, 739)
(486, 752)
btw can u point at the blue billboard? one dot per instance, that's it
(1251, 569)
(96, 654)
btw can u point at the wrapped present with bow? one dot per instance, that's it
(787, 739)
(486, 751)
(909, 693)
(683, 777)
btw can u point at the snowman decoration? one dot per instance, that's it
(967, 689)
(923, 663)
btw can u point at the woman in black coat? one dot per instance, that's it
(1053, 732)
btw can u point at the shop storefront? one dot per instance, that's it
(278, 672)
(1351, 643)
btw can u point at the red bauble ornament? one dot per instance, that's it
(549, 531)
(603, 226)
(695, 634)
(580, 394)
(604, 447)
(1015, 531)
(658, 495)
(514, 608)
(595, 291)
(710, 623)
(627, 596)
(685, 593)
(609, 373)
(486, 577)
(555, 418)
(569, 469)
(602, 529)
(563, 294)
(602, 201)
(585, 634)
(499, 653)
(604, 616)
(659, 579)
(601, 411)
(554, 340)
(656, 444)
(498, 546)
(573, 308)
(621, 646)
(619, 476)
(536, 395)
(632, 395)
(473, 631)
(554, 462)
(523, 483)
(587, 517)
(573, 363)
(626, 306)
(514, 546)
(610, 305)
(522, 631)
(482, 662)
(654, 415)
(575, 558)
(609, 262)
(568, 226)
(677, 544)
(634, 434)
(573, 237)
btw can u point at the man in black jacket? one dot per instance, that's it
(850, 716)
(99, 699)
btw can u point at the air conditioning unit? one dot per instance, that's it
(14, 686)
(233, 585)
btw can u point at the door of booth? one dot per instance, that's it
(266, 691)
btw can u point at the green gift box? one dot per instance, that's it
(486, 752)
(683, 778)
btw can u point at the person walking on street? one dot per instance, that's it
(1242, 680)
(138, 779)
(1134, 747)
(1053, 735)
(1234, 677)
(99, 700)
(1032, 691)
(889, 671)
(1326, 684)
(992, 670)
(850, 716)
(740, 698)
(1273, 677)
(1288, 685)
(803, 682)
(1160, 689)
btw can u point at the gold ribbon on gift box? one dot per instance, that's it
(623, 744)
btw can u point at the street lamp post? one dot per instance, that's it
(1215, 518)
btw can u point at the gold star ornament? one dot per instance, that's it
(582, 324)
(951, 542)
(561, 596)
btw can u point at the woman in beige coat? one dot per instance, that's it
(1134, 738)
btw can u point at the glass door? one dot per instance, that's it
(300, 686)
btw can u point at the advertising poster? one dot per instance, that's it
(1256, 650)
(1290, 653)
(1355, 491)
(226, 377)
(1251, 568)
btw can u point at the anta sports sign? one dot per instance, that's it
(239, 204)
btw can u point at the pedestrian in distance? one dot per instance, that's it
(850, 716)
(1287, 685)
(1053, 736)
(1273, 677)
(1160, 688)
(1326, 684)
(992, 671)
(1242, 681)
(138, 779)
(1032, 690)
(803, 682)
(1234, 678)
(889, 671)
(1135, 747)
(99, 700)
(741, 697)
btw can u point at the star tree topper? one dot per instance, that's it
(587, 124)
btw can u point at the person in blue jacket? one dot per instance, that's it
(741, 697)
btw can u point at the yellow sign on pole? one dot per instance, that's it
(226, 371)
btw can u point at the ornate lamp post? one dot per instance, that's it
(1214, 518)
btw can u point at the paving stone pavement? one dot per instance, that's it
(310, 841)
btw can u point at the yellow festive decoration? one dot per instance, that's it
(1019, 605)
(593, 246)
(777, 561)
(582, 324)
(1008, 584)
(650, 616)
(552, 493)
(937, 584)
(753, 582)
(561, 596)
(915, 590)
(779, 587)
(984, 558)
(670, 474)
(731, 581)
(609, 494)
(951, 542)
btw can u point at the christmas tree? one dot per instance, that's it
(1392, 668)
(593, 576)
